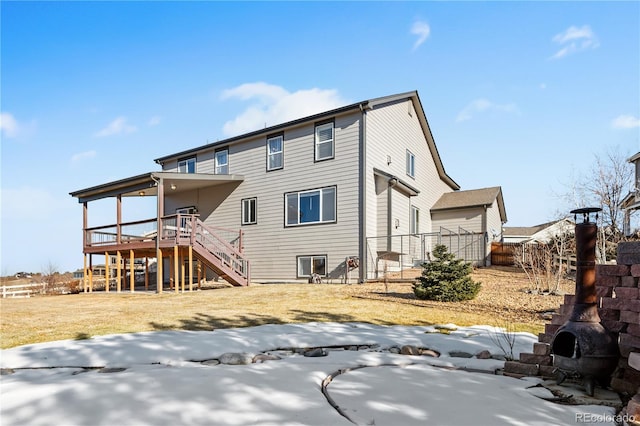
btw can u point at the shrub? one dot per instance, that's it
(446, 279)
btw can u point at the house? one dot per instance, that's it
(631, 202)
(330, 196)
(542, 233)
(475, 212)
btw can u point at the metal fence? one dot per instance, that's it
(392, 255)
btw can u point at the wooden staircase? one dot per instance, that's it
(223, 257)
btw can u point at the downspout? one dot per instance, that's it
(362, 198)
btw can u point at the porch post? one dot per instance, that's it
(85, 215)
(84, 273)
(90, 273)
(146, 273)
(118, 271)
(131, 272)
(119, 219)
(159, 271)
(160, 213)
(183, 272)
(190, 268)
(199, 266)
(176, 269)
(106, 271)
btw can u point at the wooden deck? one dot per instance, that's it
(183, 238)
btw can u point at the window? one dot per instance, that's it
(249, 209)
(308, 265)
(275, 153)
(415, 220)
(411, 164)
(222, 162)
(324, 142)
(187, 165)
(307, 207)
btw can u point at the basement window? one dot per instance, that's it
(315, 264)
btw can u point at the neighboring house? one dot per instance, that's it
(478, 211)
(631, 202)
(327, 194)
(542, 233)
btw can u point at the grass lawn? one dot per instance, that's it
(80, 316)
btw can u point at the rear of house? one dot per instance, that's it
(317, 192)
(333, 195)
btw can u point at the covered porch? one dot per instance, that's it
(179, 243)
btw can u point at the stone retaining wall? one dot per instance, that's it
(619, 309)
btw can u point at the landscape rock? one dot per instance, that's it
(260, 358)
(315, 352)
(210, 362)
(236, 358)
(394, 350)
(429, 352)
(409, 350)
(483, 355)
(460, 354)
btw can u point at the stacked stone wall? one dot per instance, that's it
(619, 309)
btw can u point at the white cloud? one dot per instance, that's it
(271, 105)
(154, 121)
(81, 156)
(573, 40)
(625, 122)
(116, 127)
(483, 105)
(9, 125)
(422, 30)
(542, 86)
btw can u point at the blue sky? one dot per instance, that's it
(521, 95)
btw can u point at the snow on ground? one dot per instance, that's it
(160, 378)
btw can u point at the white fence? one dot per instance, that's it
(23, 290)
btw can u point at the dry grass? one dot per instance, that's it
(40, 319)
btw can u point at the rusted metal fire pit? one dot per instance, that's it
(582, 347)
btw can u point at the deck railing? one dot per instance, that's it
(223, 246)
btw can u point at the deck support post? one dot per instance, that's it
(106, 271)
(190, 268)
(118, 271)
(171, 271)
(90, 273)
(182, 267)
(84, 273)
(132, 277)
(176, 269)
(119, 220)
(146, 273)
(199, 267)
(159, 271)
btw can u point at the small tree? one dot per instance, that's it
(446, 279)
(50, 277)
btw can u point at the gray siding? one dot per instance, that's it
(270, 245)
(391, 130)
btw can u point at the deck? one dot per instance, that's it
(183, 238)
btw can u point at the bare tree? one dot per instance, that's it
(50, 276)
(544, 263)
(605, 184)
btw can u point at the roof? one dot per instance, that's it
(146, 184)
(527, 231)
(472, 198)
(358, 106)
